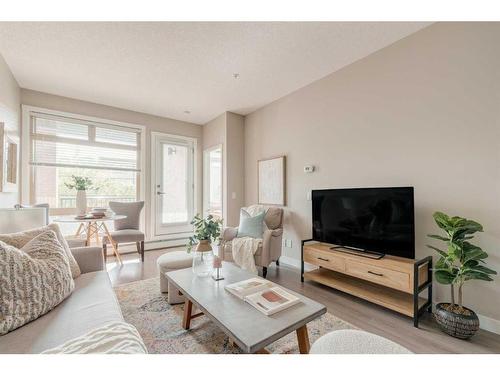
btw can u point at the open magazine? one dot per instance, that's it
(264, 295)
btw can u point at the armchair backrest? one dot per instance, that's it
(274, 216)
(130, 209)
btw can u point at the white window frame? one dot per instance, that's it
(26, 176)
(206, 173)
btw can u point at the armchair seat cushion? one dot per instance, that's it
(125, 235)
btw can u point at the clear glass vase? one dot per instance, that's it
(203, 259)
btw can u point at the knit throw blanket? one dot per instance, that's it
(113, 338)
(244, 249)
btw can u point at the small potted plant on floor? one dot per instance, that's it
(206, 231)
(462, 261)
(81, 184)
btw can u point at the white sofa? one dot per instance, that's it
(91, 305)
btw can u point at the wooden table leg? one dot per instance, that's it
(79, 230)
(188, 308)
(262, 351)
(112, 243)
(303, 339)
(96, 232)
(89, 227)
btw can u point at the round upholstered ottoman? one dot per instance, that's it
(174, 260)
(349, 341)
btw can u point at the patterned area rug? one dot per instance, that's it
(159, 324)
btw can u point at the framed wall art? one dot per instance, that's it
(271, 175)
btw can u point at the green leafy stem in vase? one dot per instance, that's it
(462, 261)
(80, 183)
(208, 228)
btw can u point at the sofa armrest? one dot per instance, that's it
(229, 233)
(89, 259)
(271, 246)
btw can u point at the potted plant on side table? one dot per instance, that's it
(81, 184)
(206, 231)
(462, 261)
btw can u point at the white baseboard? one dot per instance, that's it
(489, 324)
(149, 245)
(295, 263)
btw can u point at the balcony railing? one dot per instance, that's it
(95, 200)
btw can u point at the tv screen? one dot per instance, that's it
(371, 219)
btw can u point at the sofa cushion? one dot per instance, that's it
(91, 305)
(33, 280)
(20, 239)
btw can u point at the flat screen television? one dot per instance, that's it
(379, 220)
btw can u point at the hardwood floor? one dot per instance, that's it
(364, 315)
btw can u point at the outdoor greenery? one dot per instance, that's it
(80, 183)
(208, 228)
(462, 261)
(110, 183)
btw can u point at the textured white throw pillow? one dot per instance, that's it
(20, 239)
(33, 280)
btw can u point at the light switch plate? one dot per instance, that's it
(309, 197)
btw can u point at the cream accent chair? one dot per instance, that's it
(270, 250)
(126, 230)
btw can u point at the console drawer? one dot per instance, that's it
(324, 259)
(384, 276)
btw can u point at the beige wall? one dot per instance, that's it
(235, 164)
(423, 112)
(152, 124)
(228, 130)
(10, 115)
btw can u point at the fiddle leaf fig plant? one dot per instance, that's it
(462, 260)
(208, 228)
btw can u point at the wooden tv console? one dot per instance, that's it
(392, 282)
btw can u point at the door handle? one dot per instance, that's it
(160, 193)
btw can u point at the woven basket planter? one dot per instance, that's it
(456, 325)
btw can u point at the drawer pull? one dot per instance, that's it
(323, 259)
(375, 273)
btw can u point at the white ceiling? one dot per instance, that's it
(166, 68)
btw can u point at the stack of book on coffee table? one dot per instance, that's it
(262, 294)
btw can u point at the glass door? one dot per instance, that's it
(174, 184)
(212, 181)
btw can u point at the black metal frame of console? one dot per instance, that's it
(419, 289)
(416, 288)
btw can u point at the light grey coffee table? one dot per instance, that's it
(246, 326)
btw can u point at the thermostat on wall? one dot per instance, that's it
(309, 169)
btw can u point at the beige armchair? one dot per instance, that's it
(270, 250)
